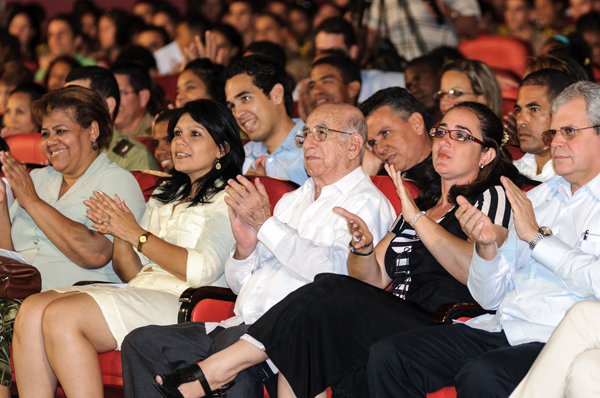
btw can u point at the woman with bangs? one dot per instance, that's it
(319, 336)
(182, 241)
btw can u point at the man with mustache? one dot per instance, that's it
(273, 255)
(397, 132)
(548, 262)
(536, 93)
(259, 94)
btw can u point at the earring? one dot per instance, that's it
(218, 165)
(94, 146)
(481, 167)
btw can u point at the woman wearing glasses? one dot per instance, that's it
(319, 335)
(469, 80)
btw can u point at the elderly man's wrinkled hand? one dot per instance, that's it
(525, 222)
(249, 201)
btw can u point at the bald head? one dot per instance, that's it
(341, 151)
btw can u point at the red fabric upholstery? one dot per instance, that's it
(147, 182)
(515, 151)
(27, 148)
(169, 84)
(276, 188)
(147, 141)
(386, 185)
(498, 52)
(446, 392)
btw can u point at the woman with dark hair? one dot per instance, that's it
(201, 79)
(17, 118)
(469, 80)
(47, 225)
(113, 33)
(182, 241)
(58, 71)
(319, 335)
(24, 24)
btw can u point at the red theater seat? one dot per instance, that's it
(147, 141)
(169, 84)
(27, 148)
(498, 52)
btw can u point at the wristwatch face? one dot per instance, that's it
(143, 239)
(545, 231)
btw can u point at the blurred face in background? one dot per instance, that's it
(20, 27)
(17, 116)
(107, 32)
(61, 40)
(517, 15)
(267, 28)
(57, 75)
(240, 16)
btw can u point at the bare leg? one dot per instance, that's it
(284, 390)
(74, 332)
(34, 375)
(222, 367)
(4, 392)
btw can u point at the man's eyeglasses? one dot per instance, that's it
(452, 94)
(568, 133)
(319, 133)
(456, 135)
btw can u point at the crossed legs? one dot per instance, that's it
(57, 338)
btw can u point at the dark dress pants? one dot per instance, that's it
(153, 350)
(479, 363)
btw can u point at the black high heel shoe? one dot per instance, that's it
(171, 382)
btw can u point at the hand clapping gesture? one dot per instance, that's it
(113, 217)
(477, 226)
(409, 208)
(19, 179)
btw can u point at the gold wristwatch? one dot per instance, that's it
(143, 239)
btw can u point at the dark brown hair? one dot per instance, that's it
(83, 106)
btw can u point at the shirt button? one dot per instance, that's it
(269, 160)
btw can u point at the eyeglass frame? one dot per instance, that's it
(471, 137)
(300, 138)
(452, 93)
(552, 133)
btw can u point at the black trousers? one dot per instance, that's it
(153, 350)
(479, 363)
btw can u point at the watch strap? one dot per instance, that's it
(141, 241)
(539, 236)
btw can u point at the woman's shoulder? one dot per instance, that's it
(494, 203)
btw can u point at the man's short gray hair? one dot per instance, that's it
(356, 124)
(589, 92)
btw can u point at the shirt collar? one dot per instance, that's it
(344, 184)
(257, 149)
(564, 187)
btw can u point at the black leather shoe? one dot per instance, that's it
(172, 381)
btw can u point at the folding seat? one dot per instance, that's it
(499, 52)
(26, 148)
(147, 141)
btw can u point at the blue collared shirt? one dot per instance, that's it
(533, 289)
(287, 161)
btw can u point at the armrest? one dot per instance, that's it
(192, 296)
(446, 313)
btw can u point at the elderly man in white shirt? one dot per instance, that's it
(274, 255)
(548, 263)
(536, 93)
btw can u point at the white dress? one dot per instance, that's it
(152, 296)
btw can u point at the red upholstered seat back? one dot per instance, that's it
(147, 141)
(27, 148)
(498, 52)
(276, 188)
(386, 185)
(147, 182)
(169, 84)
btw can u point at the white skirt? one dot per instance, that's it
(128, 308)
